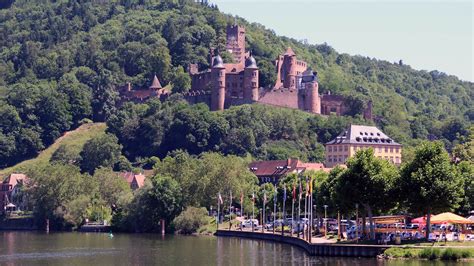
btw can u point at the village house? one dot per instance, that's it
(9, 188)
(357, 137)
(135, 181)
(273, 171)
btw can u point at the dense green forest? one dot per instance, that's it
(60, 62)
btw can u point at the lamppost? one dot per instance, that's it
(325, 221)
(357, 222)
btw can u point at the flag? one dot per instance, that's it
(294, 191)
(253, 196)
(264, 197)
(301, 189)
(311, 186)
(220, 198)
(307, 188)
(284, 193)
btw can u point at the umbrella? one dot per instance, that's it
(451, 218)
(420, 220)
(10, 205)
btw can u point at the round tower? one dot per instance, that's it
(251, 80)
(218, 84)
(312, 100)
(289, 63)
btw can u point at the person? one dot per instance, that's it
(443, 237)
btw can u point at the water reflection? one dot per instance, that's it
(30, 248)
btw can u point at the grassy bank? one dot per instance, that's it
(74, 139)
(430, 253)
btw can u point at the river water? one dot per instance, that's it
(93, 249)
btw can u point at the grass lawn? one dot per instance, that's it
(75, 139)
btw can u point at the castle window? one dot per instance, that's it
(391, 150)
(254, 84)
(254, 74)
(346, 148)
(340, 148)
(386, 149)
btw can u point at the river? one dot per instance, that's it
(36, 248)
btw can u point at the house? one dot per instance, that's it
(272, 171)
(9, 188)
(357, 137)
(135, 181)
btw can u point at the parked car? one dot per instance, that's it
(413, 226)
(248, 223)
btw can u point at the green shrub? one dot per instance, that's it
(466, 253)
(401, 253)
(430, 253)
(189, 221)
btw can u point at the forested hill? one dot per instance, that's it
(60, 60)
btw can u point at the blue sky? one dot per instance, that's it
(424, 34)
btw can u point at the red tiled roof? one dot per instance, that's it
(155, 84)
(140, 179)
(276, 167)
(289, 52)
(14, 179)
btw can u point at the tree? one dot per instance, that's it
(368, 181)
(189, 220)
(111, 186)
(430, 184)
(159, 199)
(102, 150)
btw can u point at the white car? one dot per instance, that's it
(248, 223)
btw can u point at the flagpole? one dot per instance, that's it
(253, 208)
(292, 215)
(263, 217)
(230, 211)
(284, 218)
(299, 207)
(218, 209)
(274, 209)
(305, 211)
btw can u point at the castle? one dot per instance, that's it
(227, 84)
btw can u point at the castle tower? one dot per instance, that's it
(155, 85)
(218, 84)
(289, 64)
(312, 101)
(236, 42)
(251, 79)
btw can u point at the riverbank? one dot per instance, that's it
(453, 253)
(317, 249)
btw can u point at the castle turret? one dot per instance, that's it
(218, 84)
(312, 101)
(236, 42)
(289, 63)
(251, 79)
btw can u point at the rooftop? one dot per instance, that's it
(359, 134)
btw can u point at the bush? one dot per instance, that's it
(189, 221)
(430, 253)
(401, 253)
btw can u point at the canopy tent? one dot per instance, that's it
(420, 220)
(450, 218)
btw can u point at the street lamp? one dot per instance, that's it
(325, 221)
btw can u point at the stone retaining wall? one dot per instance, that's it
(344, 250)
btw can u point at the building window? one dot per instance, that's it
(380, 149)
(391, 150)
(254, 74)
(397, 150)
(346, 148)
(340, 148)
(329, 158)
(330, 148)
(254, 84)
(391, 159)
(397, 159)
(386, 157)
(386, 149)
